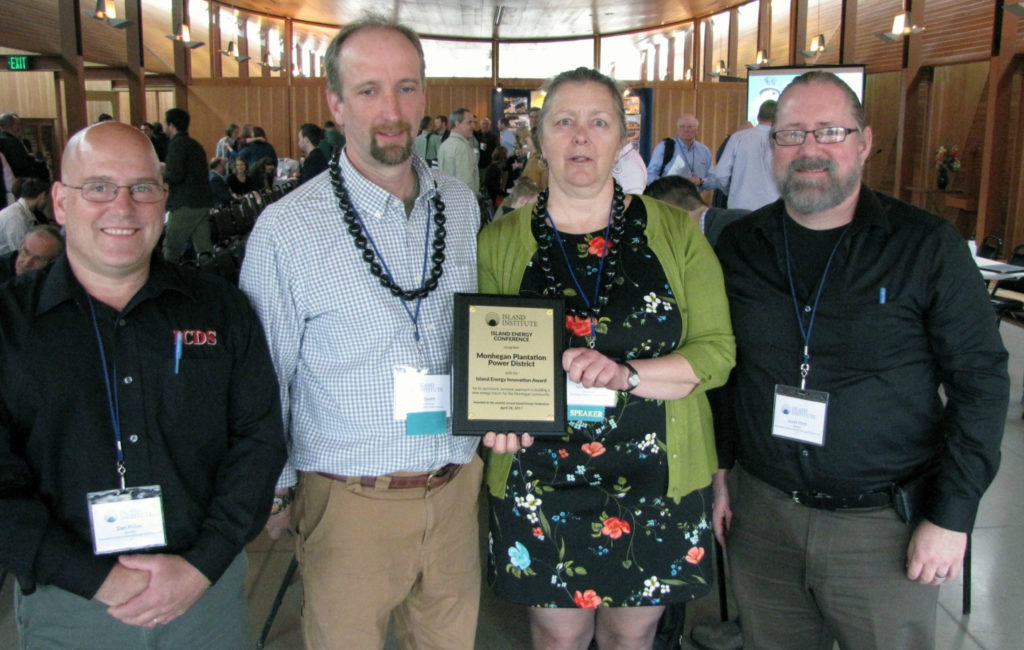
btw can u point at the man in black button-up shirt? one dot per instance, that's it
(111, 343)
(851, 310)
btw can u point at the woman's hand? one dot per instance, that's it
(507, 443)
(591, 368)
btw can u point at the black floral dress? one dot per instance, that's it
(585, 521)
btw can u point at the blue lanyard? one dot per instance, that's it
(414, 316)
(805, 367)
(692, 160)
(112, 402)
(572, 273)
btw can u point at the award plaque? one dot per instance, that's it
(507, 365)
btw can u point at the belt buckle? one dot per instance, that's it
(437, 473)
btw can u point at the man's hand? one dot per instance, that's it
(121, 585)
(506, 443)
(282, 521)
(174, 586)
(721, 512)
(935, 554)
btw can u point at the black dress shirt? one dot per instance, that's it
(209, 433)
(314, 163)
(882, 360)
(187, 174)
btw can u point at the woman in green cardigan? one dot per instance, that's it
(598, 530)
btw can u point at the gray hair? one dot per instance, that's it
(819, 77)
(582, 75)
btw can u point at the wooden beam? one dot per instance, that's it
(71, 71)
(995, 173)
(135, 64)
(909, 109)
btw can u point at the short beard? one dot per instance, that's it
(392, 154)
(810, 197)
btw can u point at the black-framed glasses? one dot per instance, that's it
(104, 192)
(824, 135)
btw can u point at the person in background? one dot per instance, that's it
(682, 155)
(240, 182)
(227, 145)
(188, 197)
(681, 193)
(314, 161)
(629, 170)
(17, 218)
(218, 185)
(744, 170)
(40, 246)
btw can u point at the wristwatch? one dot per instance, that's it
(281, 502)
(634, 377)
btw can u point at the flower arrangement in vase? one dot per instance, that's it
(947, 159)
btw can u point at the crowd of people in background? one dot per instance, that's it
(598, 530)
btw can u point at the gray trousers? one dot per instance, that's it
(55, 619)
(184, 224)
(804, 577)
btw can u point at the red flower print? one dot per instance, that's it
(563, 453)
(538, 532)
(593, 449)
(616, 528)
(587, 600)
(597, 247)
(695, 555)
(578, 326)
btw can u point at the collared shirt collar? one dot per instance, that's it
(361, 186)
(61, 285)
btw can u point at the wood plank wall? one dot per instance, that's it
(952, 87)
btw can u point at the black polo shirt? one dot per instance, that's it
(209, 433)
(882, 361)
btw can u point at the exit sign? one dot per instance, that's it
(18, 63)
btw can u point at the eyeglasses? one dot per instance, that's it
(101, 192)
(824, 135)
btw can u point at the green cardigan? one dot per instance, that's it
(506, 247)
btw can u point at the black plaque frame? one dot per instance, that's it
(462, 422)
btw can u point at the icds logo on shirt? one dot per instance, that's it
(196, 337)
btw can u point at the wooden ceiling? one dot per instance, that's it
(520, 19)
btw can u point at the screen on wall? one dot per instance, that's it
(767, 83)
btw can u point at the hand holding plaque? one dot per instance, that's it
(507, 365)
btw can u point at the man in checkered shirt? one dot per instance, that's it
(385, 497)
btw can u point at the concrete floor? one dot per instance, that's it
(998, 581)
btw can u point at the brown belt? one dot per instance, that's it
(429, 481)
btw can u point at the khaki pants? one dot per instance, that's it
(366, 553)
(803, 577)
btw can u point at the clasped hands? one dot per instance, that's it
(151, 590)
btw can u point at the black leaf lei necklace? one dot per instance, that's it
(370, 254)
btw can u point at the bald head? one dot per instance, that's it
(84, 144)
(39, 247)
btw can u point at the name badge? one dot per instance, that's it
(126, 520)
(800, 414)
(587, 404)
(422, 401)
